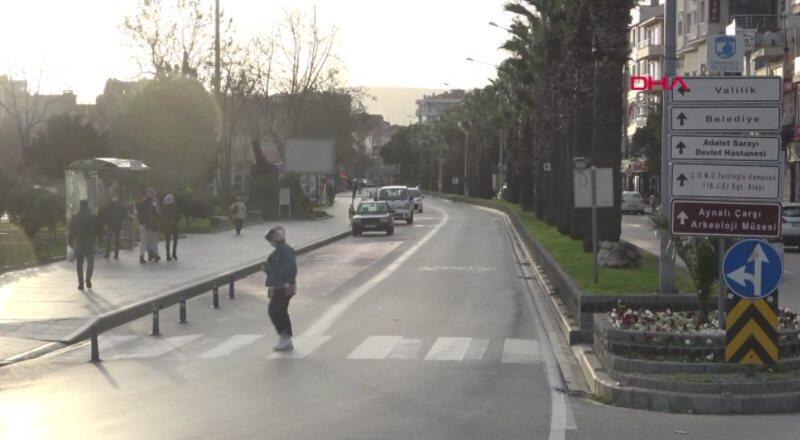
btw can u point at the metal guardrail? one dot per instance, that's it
(154, 305)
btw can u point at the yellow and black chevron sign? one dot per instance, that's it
(751, 330)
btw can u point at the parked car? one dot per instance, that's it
(790, 229)
(373, 216)
(417, 195)
(399, 201)
(632, 202)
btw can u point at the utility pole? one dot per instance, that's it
(466, 143)
(217, 74)
(666, 260)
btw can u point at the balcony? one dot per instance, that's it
(646, 50)
(767, 53)
(762, 23)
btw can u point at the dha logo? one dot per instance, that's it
(647, 83)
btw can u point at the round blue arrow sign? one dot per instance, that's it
(753, 269)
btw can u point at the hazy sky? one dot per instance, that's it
(77, 44)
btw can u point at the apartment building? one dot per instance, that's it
(431, 107)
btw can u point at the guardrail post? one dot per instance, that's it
(215, 297)
(156, 308)
(182, 311)
(231, 294)
(95, 346)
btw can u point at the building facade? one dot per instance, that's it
(431, 107)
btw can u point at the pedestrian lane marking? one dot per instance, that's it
(155, 347)
(229, 346)
(521, 351)
(476, 350)
(449, 349)
(375, 347)
(406, 349)
(303, 346)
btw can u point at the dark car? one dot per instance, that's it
(373, 216)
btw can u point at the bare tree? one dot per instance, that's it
(171, 36)
(26, 110)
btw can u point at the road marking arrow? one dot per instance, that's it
(682, 117)
(681, 146)
(683, 217)
(682, 179)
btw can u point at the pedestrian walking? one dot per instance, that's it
(82, 234)
(238, 214)
(152, 249)
(112, 215)
(148, 222)
(281, 269)
(170, 220)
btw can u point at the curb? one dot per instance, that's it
(82, 332)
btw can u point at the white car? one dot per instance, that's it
(632, 202)
(417, 195)
(399, 200)
(790, 229)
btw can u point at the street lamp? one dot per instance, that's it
(473, 60)
(493, 24)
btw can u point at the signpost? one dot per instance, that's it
(744, 148)
(725, 119)
(594, 188)
(725, 180)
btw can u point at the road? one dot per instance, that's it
(429, 334)
(637, 230)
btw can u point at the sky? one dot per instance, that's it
(77, 44)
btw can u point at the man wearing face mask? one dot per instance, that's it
(281, 269)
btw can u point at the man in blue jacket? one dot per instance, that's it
(281, 269)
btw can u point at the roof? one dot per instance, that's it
(100, 163)
(394, 187)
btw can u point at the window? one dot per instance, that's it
(680, 27)
(702, 12)
(393, 194)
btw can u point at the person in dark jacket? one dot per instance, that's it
(281, 269)
(170, 220)
(112, 216)
(82, 233)
(148, 223)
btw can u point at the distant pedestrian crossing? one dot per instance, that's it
(372, 348)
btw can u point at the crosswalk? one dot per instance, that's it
(372, 348)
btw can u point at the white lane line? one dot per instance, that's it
(103, 341)
(375, 347)
(406, 349)
(333, 313)
(521, 351)
(229, 345)
(477, 349)
(152, 347)
(449, 349)
(303, 346)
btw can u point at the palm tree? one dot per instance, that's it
(610, 21)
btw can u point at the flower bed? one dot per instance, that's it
(677, 336)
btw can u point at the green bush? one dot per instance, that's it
(32, 209)
(194, 205)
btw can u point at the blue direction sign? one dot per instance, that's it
(753, 269)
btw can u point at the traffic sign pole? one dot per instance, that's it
(723, 289)
(666, 266)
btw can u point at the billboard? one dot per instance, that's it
(310, 156)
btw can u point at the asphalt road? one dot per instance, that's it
(428, 334)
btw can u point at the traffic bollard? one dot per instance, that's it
(215, 297)
(231, 294)
(182, 311)
(95, 346)
(156, 331)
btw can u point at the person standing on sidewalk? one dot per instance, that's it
(82, 234)
(170, 219)
(281, 269)
(148, 221)
(238, 214)
(112, 216)
(152, 249)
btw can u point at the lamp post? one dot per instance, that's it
(461, 125)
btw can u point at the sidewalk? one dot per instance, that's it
(42, 305)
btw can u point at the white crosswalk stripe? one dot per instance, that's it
(521, 351)
(449, 349)
(375, 347)
(229, 346)
(378, 347)
(303, 347)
